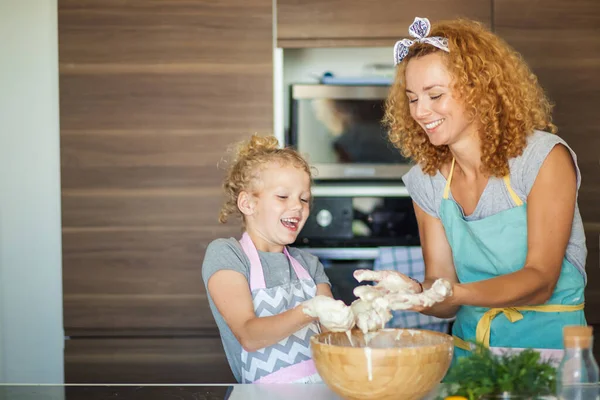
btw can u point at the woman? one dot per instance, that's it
(494, 189)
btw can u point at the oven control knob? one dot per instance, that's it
(324, 218)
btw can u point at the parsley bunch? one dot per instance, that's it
(483, 374)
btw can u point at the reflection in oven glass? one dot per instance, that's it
(340, 274)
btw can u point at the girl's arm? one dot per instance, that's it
(230, 292)
(550, 210)
(323, 289)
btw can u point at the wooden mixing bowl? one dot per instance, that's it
(397, 364)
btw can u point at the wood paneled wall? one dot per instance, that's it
(331, 23)
(561, 42)
(152, 92)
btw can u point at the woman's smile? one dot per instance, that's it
(432, 126)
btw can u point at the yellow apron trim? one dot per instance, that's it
(447, 188)
(513, 195)
(516, 199)
(482, 333)
(461, 344)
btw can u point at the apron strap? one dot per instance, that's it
(447, 188)
(257, 277)
(300, 271)
(513, 314)
(518, 202)
(513, 195)
(461, 344)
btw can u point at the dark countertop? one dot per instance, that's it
(133, 392)
(167, 392)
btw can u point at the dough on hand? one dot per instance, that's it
(371, 315)
(391, 281)
(375, 303)
(368, 292)
(438, 292)
(333, 314)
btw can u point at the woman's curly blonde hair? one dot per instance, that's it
(250, 158)
(495, 85)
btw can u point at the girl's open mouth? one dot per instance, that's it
(290, 223)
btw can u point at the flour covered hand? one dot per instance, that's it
(371, 315)
(392, 291)
(439, 291)
(388, 281)
(333, 314)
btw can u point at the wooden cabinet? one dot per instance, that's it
(155, 360)
(336, 23)
(561, 42)
(152, 92)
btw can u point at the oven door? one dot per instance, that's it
(360, 216)
(340, 264)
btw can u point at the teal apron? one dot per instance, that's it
(495, 246)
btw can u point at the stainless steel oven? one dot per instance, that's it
(340, 264)
(340, 128)
(348, 225)
(360, 215)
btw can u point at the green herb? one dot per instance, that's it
(483, 373)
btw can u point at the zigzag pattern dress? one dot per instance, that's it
(289, 360)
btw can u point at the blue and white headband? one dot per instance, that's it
(419, 29)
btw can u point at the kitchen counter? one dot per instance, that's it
(168, 392)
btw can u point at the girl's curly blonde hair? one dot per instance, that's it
(495, 85)
(250, 158)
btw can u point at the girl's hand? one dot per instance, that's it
(333, 314)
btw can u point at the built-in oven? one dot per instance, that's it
(350, 223)
(359, 203)
(361, 214)
(340, 264)
(340, 128)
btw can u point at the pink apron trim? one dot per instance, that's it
(300, 271)
(257, 277)
(292, 373)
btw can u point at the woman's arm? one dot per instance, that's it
(230, 292)
(437, 255)
(550, 210)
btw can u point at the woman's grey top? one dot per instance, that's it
(427, 191)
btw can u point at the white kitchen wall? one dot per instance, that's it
(31, 333)
(308, 66)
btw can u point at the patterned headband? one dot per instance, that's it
(419, 29)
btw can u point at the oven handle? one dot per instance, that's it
(344, 253)
(359, 191)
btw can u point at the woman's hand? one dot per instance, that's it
(437, 293)
(389, 281)
(395, 291)
(370, 315)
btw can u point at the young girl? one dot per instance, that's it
(261, 293)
